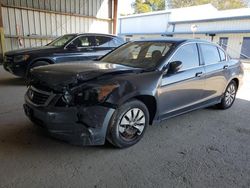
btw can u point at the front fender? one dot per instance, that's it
(127, 96)
(128, 90)
(48, 59)
(131, 86)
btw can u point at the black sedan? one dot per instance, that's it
(71, 47)
(139, 83)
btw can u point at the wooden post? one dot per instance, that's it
(115, 16)
(2, 39)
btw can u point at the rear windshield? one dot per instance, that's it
(139, 54)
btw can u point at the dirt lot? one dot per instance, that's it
(204, 148)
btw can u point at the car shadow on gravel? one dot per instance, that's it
(15, 81)
(29, 137)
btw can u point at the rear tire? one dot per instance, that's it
(229, 96)
(128, 124)
(36, 64)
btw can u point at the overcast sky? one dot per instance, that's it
(125, 6)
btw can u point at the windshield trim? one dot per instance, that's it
(73, 36)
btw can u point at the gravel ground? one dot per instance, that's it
(204, 148)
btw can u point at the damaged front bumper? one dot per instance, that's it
(76, 125)
(18, 69)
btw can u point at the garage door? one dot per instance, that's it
(245, 49)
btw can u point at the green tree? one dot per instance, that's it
(219, 4)
(142, 6)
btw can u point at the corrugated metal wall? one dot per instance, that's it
(29, 23)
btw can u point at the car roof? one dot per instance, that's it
(102, 34)
(171, 39)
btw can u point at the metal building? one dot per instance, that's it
(229, 28)
(152, 24)
(30, 23)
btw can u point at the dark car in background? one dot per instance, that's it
(70, 47)
(137, 84)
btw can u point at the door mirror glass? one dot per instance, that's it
(174, 67)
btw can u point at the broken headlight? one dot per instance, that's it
(67, 97)
(95, 94)
(20, 58)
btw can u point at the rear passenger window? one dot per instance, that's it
(222, 55)
(103, 41)
(115, 42)
(188, 55)
(84, 41)
(107, 42)
(210, 54)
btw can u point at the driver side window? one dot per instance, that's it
(188, 55)
(84, 41)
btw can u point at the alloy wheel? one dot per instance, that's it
(230, 94)
(132, 124)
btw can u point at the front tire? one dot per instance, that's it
(128, 124)
(229, 96)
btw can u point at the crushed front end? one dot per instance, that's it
(68, 114)
(16, 65)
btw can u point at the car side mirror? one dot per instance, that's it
(174, 67)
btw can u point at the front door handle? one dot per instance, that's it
(89, 49)
(225, 67)
(198, 74)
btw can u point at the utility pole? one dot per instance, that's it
(2, 39)
(115, 16)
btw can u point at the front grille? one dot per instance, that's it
(39, 97)
(41, 87)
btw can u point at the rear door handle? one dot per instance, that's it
(198, 74)
(225, 67)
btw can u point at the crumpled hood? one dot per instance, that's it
(31, 50)
(72, 73)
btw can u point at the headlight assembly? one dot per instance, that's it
(67, 97)
(104, 91)
(20, 58)
(94, 95)
(5, 58)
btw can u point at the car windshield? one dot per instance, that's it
(61, 41)
(139, 54)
